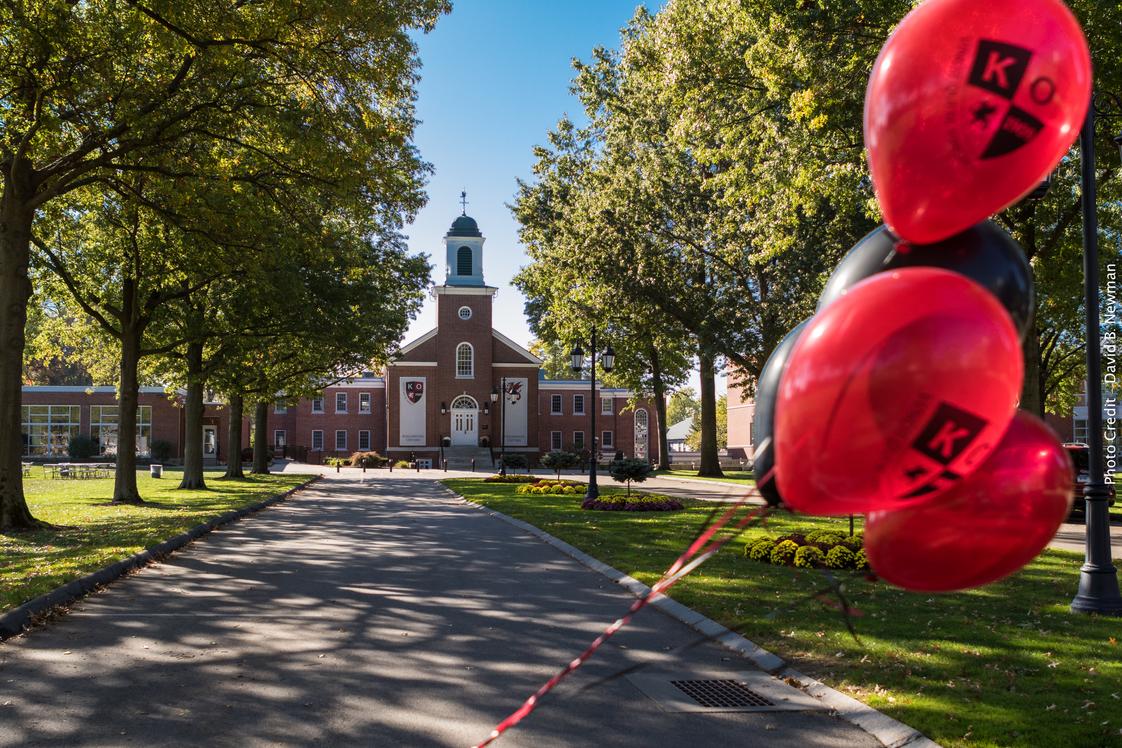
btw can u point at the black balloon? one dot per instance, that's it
(763, 420)
(984, 253)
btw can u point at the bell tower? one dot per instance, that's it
(463, 246)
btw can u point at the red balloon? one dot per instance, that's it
(970, 105)
(986, 528)
(894, 392)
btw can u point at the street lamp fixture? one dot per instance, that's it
(607, 362)
(1098, 577)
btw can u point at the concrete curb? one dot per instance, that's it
(19, 619)
(890, 732)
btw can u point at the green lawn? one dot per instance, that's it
(730, 476)
(92, 534)
(1003, 665)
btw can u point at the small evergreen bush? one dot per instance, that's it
(161, 450)
(81, 447)
(628, 470)
(559, 460)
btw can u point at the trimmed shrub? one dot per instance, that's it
(515, 461)
(855, 543)
(628, 470)
(760, 550)
(784, 552)
(81, 447)
(510, 479)
(559, 460)
(161, 450)
(860, 561)
(402, 464)
(809, 557)
(368, 460)
(839, 557)
(824, 537)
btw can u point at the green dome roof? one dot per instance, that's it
(464, 226)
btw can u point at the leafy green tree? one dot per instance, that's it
(693, 439)
(555, 358)
(683, 406)
(94, 91)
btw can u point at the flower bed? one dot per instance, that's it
(633, 503)
(820, 549)
(552, 487)
(511, 478)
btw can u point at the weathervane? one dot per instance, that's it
(464, 201)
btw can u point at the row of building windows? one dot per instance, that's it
(556, 406)
(280, 439)
(341, 404)
(607, 440)
(48, 429)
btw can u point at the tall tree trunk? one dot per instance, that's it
(193, 420)
(659, 387)
(15, 290)
(710, 460)
(124, 484)
(261, 439)
(234, 438)
(1032, 394)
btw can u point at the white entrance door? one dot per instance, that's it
(210, 442)
(465, 422)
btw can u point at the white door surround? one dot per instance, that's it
(465, 422)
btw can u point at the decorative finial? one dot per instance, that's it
(464, 202)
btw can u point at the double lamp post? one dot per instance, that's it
(607, 361)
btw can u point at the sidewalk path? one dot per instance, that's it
(371, 611)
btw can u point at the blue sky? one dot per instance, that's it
(495, 79)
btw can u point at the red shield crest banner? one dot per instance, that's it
(414, 391)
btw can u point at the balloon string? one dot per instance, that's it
(699, 551)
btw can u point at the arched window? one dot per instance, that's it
(465, 402)
(641, 431)
(465, 361)
(463, 261)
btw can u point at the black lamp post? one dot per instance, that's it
(607, 361)
(502, 426)
(1098, 578)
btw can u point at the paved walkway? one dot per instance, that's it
(365, 611)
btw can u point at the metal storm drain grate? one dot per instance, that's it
(720, 694)
(706, 691)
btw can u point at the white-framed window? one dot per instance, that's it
(607, 439)
(280, 438)
(317, 404)
(606, 406)
(340, 402)
(340, 440)
(317, 440)
(364, 402)
(465, 361)
(555, 405)
(103, 428)
(578, 405)
(364, 441)
(48, 429)
(464, 312)
(578, 440)
(280, 406)
(555, 440)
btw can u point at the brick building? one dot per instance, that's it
(461, 390)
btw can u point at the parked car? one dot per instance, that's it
(1081, 457)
